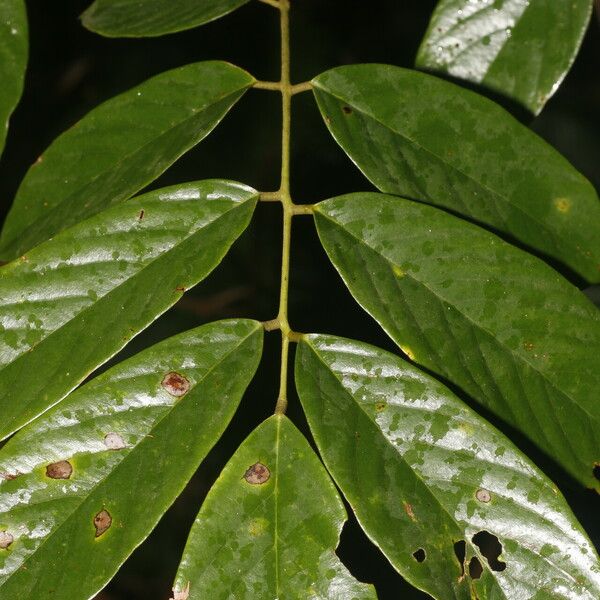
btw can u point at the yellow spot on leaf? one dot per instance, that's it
(398, 272)
(467, 428)
(562, 205)
(408, 352)
(257, 526)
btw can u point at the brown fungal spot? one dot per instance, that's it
(489, 545)
(419, 555)
(475, 568)
(102, 522)
(176, 384)
(409, 511)
(59, 470)
(380, 406)
(113, 441)
(483, 495)
(180, 288)
(347, 110)
(6, 539)
(460, 550)
(9, 476)
(257, 474)
(141, 215)
(183, 594)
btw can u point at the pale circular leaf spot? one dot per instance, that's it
(6, 539)
(113, 441)
(483, 495)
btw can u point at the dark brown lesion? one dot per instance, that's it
(176, 384)
(102, 522)
(59, 470)
(257, 474)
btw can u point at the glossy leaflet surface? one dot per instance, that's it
(13, 59)
(73, 302)
(421, 137)
(85, 484)
(118, 148)
(492, 319)
(269, 526)
(433, 484)
(519, 49)
(125, 18)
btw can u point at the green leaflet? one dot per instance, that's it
(86, 483)
(118, 148)
(73, 302)
(494, 320)
(424, 138)
(269, 526)
(130, 18)
(522, 50)
(422, 472)
(13, 59)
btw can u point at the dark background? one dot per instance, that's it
(72, 70)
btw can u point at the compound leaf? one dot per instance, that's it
(130, 18)
(118, 148)
(424, 138)
(436, 487)
(13, 59)
(74, 301)
(269, 526)
(521, 50)
(494, 320)
(85, 484)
